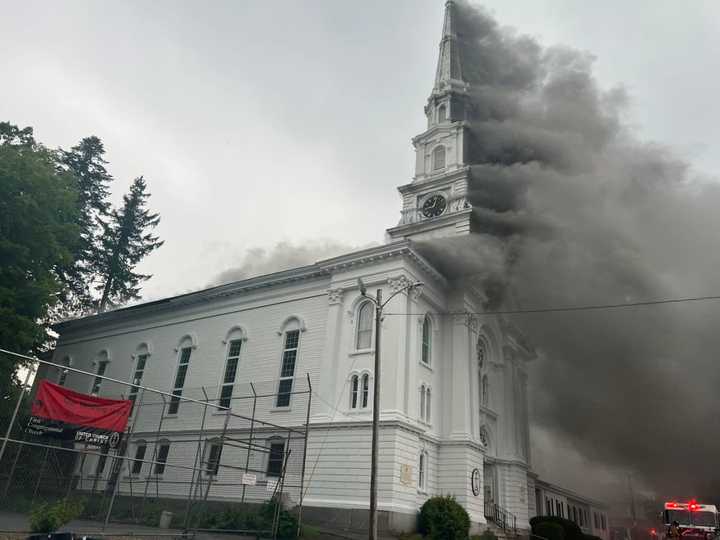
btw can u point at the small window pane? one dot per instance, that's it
(226, 396)
(230, 370)
(365, 390)
(291, 339)
(284, 391)
(288, 366)
(235, 346)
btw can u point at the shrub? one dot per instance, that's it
(46, 518)
(486, 535)
(442, 518)
(571, 529)
(591, 537)
(549, 530)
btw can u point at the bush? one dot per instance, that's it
(591, 537)
(442, 518)
(46, 518)
(486, 535)
(549, 530)
(571, 529)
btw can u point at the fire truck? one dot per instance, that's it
(696, 521)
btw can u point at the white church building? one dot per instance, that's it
(454, 406)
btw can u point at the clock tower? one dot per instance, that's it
(435, 203)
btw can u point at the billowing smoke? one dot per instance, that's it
(582, 212)
(285, 255)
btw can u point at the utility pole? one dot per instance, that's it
(379, 305)
(376, 419)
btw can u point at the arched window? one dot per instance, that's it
(140, 362)
(428, 405)
(354, 391)
(184, 353)
(140, 450)
(291, 346)
(231, 367)
(438, 157)
(365, 318)
(62, 377)
(481, 351)
(426, 341)
(422, 402)
(102, 363)
(365, 390)
(485, 391)
(422, 470)
(442, 113)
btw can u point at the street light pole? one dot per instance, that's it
(376, 419)
(379, 305)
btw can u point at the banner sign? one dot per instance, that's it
(65, 414)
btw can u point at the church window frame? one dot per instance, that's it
(485, 390)
(102, 362)
(141, 357)
(442, 115)
(365, 327)
(66, 362)
(289, 359)
(213, 456)
(138, 460)
(425, 405)
(439, 155)
(163, 451)
(359, 391)
(184, 355)
(426, 341)
(277, 448)
(422, 471)
(233, 353)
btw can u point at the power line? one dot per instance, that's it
(591, 307)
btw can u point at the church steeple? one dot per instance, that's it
(449, 73)
(435, 202)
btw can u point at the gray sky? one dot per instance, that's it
(258, 122)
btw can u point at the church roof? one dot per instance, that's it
(319, 270)
(449, 72)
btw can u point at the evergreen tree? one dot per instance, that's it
(126, 241)
(85, 161)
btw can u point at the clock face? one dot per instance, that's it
(434, 206)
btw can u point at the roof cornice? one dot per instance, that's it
(321, 269)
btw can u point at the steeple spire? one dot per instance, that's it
(449, 68)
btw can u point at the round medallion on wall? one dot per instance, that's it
(475, 481)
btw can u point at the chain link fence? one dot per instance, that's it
(228, 458)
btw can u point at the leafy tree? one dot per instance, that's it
(127, 240)
(87, 165)
(39, 234)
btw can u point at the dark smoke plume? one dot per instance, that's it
(583, 212)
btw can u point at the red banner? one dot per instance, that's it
(60, 412)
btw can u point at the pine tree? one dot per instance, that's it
(126, 241)
(86, 163)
